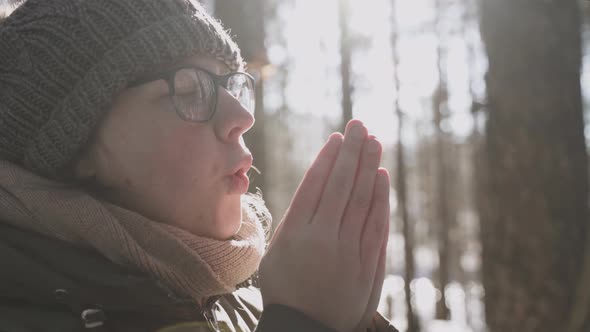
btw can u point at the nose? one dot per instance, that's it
(231, 119)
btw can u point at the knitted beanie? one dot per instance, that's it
(62, 62)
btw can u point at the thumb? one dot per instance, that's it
(377, 284)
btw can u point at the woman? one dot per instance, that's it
(123, 203)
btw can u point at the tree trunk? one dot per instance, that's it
(345, 62)
(439, 101)
(475, 143)
(246, 21)
(401, 184)
(407, 231)
(535, 222)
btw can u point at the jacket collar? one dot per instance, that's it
(43, 270)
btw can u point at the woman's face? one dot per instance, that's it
(170, 170)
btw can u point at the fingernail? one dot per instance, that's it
(334, 138)
(357, 130)
(335, 135)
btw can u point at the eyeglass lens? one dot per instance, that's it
(195, 96)
(241, 87)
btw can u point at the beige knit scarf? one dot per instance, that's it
(195, 266)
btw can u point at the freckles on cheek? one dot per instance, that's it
(174, 165)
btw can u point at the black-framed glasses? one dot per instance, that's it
(193, 90)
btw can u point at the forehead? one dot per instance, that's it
(206, 62)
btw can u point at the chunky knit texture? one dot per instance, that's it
(62, 62)
(191, 265)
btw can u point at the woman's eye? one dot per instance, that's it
(184, 89)
(188, 99)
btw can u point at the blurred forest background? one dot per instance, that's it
(481, 108)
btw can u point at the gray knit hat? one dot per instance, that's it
(62, 62)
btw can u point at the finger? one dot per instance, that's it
(337, 191)
(359, 204)
(307, 197)
(377, 220)
(275, 234)
(378, 282)
(322, 164)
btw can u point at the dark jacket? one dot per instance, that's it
(50, 285)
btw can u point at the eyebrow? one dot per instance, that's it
(162, 74)
(213, 69)
(149, 77)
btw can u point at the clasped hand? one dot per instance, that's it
(327, 257)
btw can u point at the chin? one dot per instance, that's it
(229, 221)
(228, 232)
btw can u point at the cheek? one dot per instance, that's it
(186, 159)
(139, 155)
